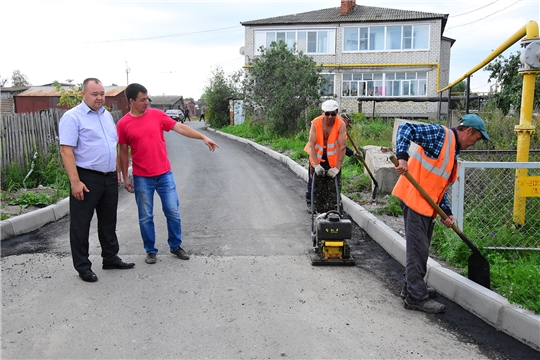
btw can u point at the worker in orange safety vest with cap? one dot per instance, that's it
(326, 148)
(434, 166)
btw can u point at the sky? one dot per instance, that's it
(173, 47)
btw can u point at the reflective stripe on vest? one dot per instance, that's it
(332, 144)
(434, 175)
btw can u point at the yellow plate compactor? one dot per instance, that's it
(330, 233)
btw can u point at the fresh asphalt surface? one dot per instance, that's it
(248, 290)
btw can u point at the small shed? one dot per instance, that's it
(7, 101)
(166, 102)
(38, 98)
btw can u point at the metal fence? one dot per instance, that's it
(483, 200)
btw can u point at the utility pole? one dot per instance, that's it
(127, 74)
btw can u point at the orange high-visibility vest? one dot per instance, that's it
(332, 146)
(434, 175)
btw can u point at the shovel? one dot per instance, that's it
(478, 264)
(376, 187)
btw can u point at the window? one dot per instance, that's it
(376, 38)
(328, 87)
(313, 41)
(380, 38)
(362, 84)
(350, 39)
(385, 84)
(406, 83)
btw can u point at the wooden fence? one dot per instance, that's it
(24, 134)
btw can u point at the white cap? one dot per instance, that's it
(330, 105)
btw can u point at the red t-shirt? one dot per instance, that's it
(144, 135)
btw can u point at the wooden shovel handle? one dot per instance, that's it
(435, 206)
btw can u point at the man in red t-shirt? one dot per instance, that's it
(142, 130)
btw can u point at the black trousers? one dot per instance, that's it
(103, 198)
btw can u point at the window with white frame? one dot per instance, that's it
(328, 88)
(362, 84)
(383, 38)
(309, 41)
(410, 83)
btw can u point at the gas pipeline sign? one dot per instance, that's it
(528, 186)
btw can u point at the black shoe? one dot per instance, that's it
(180, 253)
(118, 264)
(88, 276)
(427, 305)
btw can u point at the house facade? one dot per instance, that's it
(366, 52)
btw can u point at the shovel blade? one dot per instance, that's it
(479, 270)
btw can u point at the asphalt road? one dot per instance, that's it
(248, 290)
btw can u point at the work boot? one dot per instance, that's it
(150, 258)
(431, 292)
(180, 253)
(427, 305)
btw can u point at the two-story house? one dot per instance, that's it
(367, 51)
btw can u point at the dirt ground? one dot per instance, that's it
(14, 210)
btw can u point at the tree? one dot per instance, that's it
(218, 91)
(281, 85)
(3, 81)
(505, 72)
(70, 97)
(18, 79)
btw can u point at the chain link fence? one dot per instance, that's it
(484, 203)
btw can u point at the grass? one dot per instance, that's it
(43, 184)
(513, 275)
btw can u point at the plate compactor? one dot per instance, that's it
(330, 233)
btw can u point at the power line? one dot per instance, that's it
(158, 37)
(485, 17)
(468, 12)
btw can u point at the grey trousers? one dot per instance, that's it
(418, 232)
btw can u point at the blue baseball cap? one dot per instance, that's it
(474, 121)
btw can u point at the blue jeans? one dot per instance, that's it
(144, 196)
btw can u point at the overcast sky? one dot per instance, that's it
(172, 47)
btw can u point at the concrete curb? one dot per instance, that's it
(489, 306)
(494, 309)
(26, 223)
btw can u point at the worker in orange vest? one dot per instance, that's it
(326, 148)
(434, 165)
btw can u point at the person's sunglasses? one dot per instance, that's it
(328, 113)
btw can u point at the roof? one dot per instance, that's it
(13, 89)
(358, 14)
(165, 99)
(51, 91)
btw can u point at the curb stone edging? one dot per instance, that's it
(25, 223)
(486, 304)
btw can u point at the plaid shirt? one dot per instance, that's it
(431, 139)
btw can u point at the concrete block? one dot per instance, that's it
(32, 221)
(6, 229)
(389, 240)
(382, 169)
(61, 208)
(473, 297)
(521, 324)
